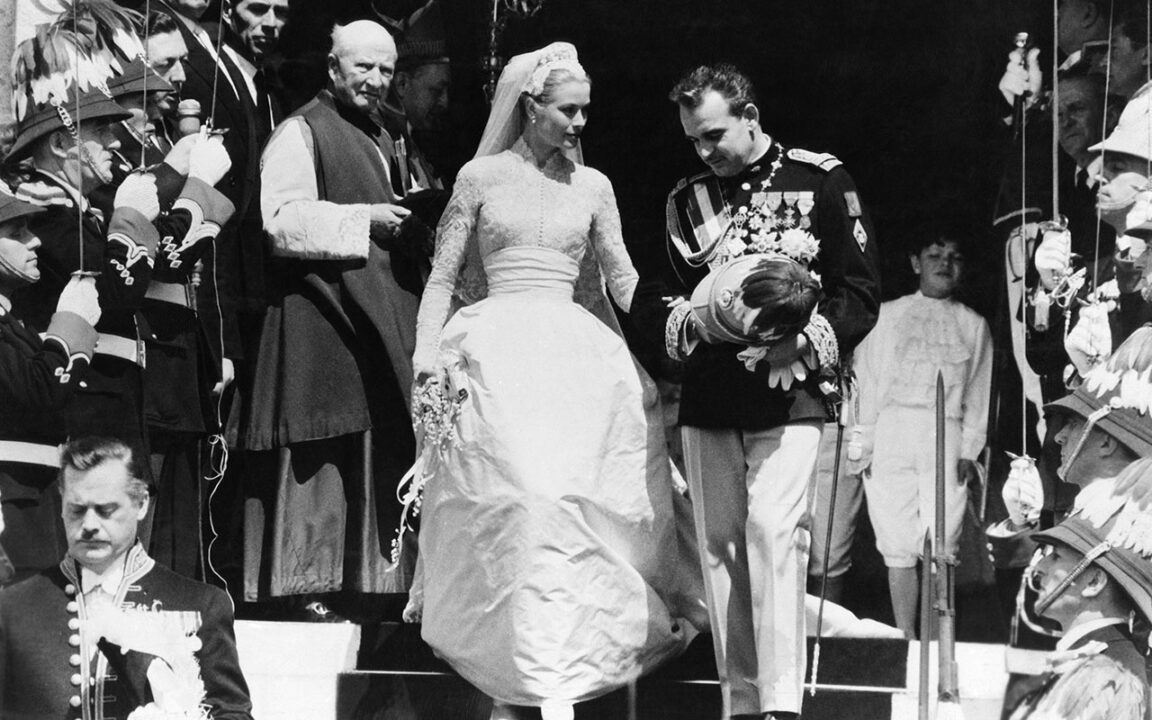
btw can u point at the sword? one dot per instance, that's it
(827, 547)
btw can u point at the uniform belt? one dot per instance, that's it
(30, 453)
(175, 293)
(121, 347)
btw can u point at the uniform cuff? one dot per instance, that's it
(676, 342)
(216, 207)
(74, 332)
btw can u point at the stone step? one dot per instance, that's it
(387, 672)
(861, 678)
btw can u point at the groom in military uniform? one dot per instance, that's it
(752, 424)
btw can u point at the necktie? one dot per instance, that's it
(263, 107)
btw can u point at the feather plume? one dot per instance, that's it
(1097, 689)
(1133, 530)
(1097, 502)
(48, 66)
(109, 30)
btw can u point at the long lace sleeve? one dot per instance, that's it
(453, 237)
(607, 254)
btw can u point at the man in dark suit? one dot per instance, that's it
(223, 72)
(88, 637)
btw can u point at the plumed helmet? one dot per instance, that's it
(1116, 396)
(1114, 534)
(756, 299)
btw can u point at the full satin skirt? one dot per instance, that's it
(549, 551)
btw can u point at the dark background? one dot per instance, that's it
(903, 92)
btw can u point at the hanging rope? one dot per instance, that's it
(1103, 134)
(219, 48)
(1023, 272)
(1055, 107)
(76, 134)
(144, 91)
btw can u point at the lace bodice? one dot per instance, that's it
(507, 200)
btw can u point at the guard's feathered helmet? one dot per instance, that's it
(756, 299)
(1113, 533)
(1116, 396)
(60, 75)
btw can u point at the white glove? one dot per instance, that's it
(1090, 341)
(1021, 77)
(860, 447)
(1053, 256)
(79, 296)
(208, 160)
(138, 191)
(1023, 493)
(177, 157)
(227, 375)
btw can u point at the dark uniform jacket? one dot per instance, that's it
(809, 190)
(44, 670)
(121, 249)
(37, 379)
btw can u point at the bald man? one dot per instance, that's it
(329, 420)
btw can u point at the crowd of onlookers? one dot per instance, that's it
(141, 277)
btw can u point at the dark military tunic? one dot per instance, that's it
(37, 379)
(120, 247)
(45, 673)
(802, 190)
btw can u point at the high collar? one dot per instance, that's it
(1078, 633)
(136, 564)
(761, 163)
(556, 160)
(65, 193)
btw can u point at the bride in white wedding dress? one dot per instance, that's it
(551, 568)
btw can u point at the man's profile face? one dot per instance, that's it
(423, 93)
(88, 163)
(1057, 562)
(362, 73)
(258, 23)
(167, 54)
(725, 142)
(1081, 115)
(100, 516)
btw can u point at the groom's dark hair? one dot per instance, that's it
(724, 78)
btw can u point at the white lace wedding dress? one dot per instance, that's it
(547, 541)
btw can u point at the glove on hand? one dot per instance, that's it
(1053, 256)
(1021, 77)
(1023, 493)
(177, 157)
(79, 296)
(1091, 339)
(208, 160)
(138, 191)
